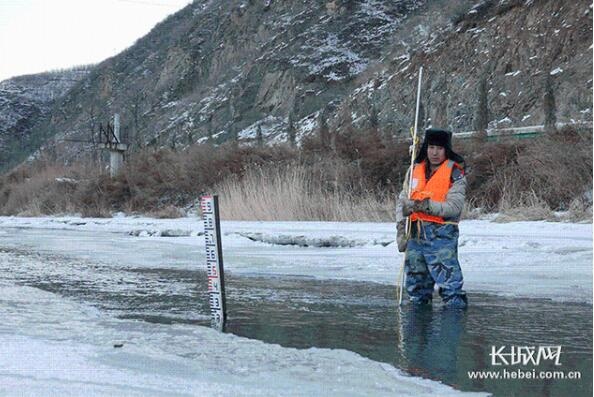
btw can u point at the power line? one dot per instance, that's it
(148, 3)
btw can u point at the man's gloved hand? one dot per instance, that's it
(407, 207)
(410, 206)
(422, 206)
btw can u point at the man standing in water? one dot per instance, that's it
(436, 202)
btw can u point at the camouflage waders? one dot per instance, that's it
(432, 258)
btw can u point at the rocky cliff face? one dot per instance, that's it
(234, 69)
(509, 50)
(26, 101)
(224, 68)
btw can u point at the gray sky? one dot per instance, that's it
(41, 35)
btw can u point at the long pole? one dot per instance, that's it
(116, 156)
(413, 154)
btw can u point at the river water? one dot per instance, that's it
(303, 312)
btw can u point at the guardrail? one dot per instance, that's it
(515, 132)
(519, 132)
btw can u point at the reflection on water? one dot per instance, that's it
(432, 342)
(362, 317)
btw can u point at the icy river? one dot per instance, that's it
(118, 307)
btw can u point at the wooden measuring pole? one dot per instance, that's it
(413, 155)
(214, 261)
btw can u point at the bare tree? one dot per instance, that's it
(422, 119)
(373, 120)
(291, 132)
(441, 104)
(210, 130)
(172, 143)
(481, 117)
(234, 115)
(135, 108)
(323, 131)
(549, 106)
(259, 137)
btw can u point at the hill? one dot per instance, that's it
(231, 70)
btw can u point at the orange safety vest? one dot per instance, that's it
(435, 189)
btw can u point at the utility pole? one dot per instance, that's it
(116, 155)
(111, 141)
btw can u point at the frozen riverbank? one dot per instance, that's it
(53, 346)
(53, 343)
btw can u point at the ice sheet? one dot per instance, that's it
(52, 346)
(526, 259)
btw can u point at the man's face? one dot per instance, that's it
(436, 154)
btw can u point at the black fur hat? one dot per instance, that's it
(439, 137)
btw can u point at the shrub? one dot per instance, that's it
(168, 212)
(553, 169)
(355, 178)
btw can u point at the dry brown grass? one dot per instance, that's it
(530, 208)
(471, 210)
(36, 193)
(547, 172)
(580, 210)
(53, 189)
(167, 212)
(294, 192)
